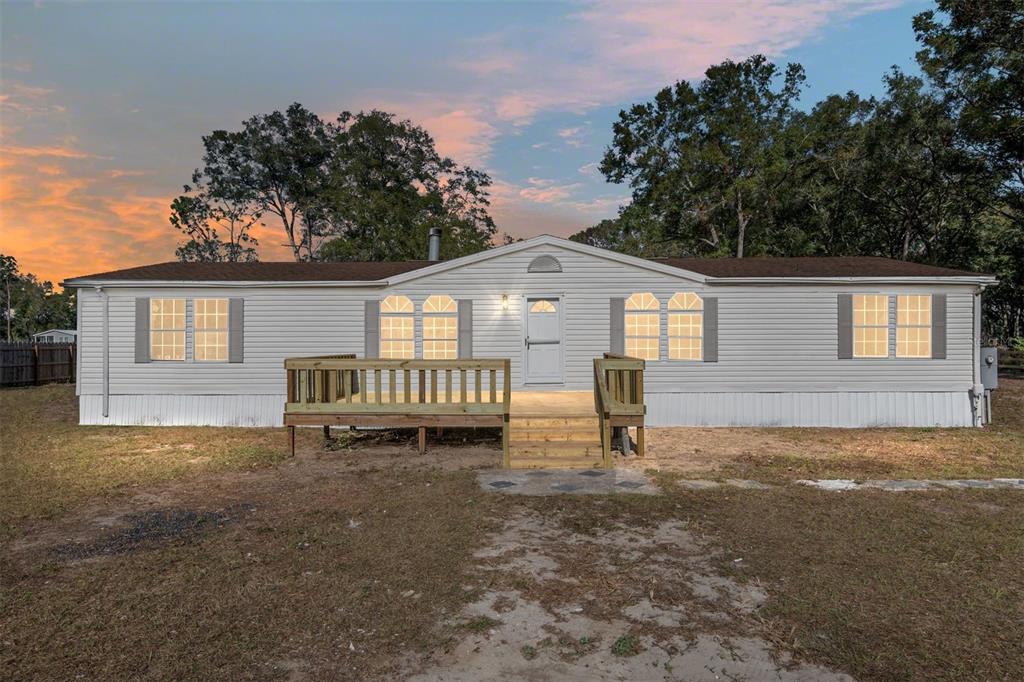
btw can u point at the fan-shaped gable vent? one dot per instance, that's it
(544, 264)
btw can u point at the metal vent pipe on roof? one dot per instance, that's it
(434, 244)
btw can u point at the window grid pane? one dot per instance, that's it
(397, 335)
(643, 348)
(439, 304)
(914, 326)
(211, 325)
(642, 301)
(396, 304)
(685, 300)
(440, 350)
(685, 349)
(870, 326)
(167, 329)
(543, 307)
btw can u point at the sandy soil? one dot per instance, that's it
(627, 604)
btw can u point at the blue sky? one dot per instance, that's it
(103, 105)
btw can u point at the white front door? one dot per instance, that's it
(543, 340)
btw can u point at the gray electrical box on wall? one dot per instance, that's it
(990, 368)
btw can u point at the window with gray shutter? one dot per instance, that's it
(142, 330)
(465, 329)
(939, 326)
(710, 329)
(236, 330)
(617, 326)
(845, 329)
(371, 330)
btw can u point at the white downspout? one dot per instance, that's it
(977, 390)
(106, 350)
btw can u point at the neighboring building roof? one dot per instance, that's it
(73, 332)
(268, 271)
(810, 266)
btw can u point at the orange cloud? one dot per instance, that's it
(59, 152)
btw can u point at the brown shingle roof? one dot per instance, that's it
(268, 271)
(810, 266)
(287, 271)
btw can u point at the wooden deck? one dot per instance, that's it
(540, 429)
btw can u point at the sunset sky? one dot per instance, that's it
(103, 105)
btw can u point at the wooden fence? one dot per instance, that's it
(23, 363)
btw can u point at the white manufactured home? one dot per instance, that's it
(844, 342)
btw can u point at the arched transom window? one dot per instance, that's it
(397, 340)
(643, 322)
(440, 328)
(685, 326)
(543, 306)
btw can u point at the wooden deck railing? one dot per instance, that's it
(619, 400)
(342, 389)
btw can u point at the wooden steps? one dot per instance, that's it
(541, 441)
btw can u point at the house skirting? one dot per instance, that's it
(835, 409)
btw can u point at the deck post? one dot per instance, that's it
(640, 441)
(327, 433)
(291, 438)
(506, 457)
(422, 439)
(606, 444)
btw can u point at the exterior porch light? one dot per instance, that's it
(504, 301)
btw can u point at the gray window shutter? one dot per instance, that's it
(939, 326)
(371, 330)
(465, 329)
(845, 326)
(142, 330)
(617, 326)
(236, 329)
(710, 329)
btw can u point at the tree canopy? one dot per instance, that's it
(30, 306)
(367, 186)
(930, 171)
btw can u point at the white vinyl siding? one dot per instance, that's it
(772, 339)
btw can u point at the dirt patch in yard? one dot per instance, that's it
(793, 453)
(306, 571)
(628, 603)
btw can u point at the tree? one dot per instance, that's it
(389, 185)
(9, 274)
(973, 52)
(32, 306)
(705, 164)
(276, 166)
(202, 219)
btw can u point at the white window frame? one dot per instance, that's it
(874, 325)
(154, 329)
(644, 309)
(685, 309)
(451, 315)
(913, 322)
(196, 330)
(409, 314)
